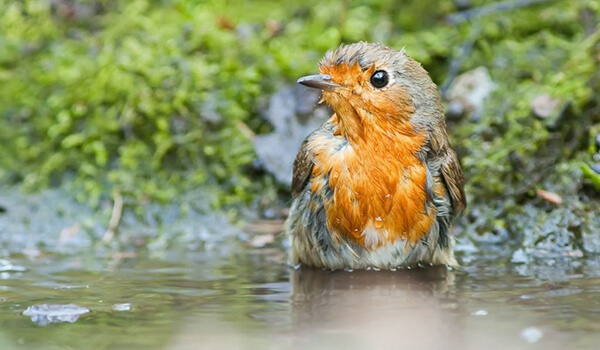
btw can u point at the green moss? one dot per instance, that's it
(153, 98)
(156, 98)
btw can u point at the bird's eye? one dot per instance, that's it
(379, 79)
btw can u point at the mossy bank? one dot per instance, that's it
(154, 99)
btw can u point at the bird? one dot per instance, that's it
(378, 185)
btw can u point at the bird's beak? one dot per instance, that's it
(319, 81)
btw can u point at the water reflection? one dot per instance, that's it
(365, 309)
(250, 299)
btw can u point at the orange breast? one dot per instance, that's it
(378, 187)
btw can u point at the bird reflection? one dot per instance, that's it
(369, 308)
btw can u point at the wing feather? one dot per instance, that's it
(454, 180)
(302, 168)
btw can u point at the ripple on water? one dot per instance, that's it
(44, 314)
(7, 266)
(532, 334)
(122, 307)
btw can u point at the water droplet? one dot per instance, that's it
(388, 195)
(480, 313)
(378, 222)
(348, 270)
(376, 269)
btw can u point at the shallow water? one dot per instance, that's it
(251, 299)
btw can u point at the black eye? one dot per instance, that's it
(379, 79)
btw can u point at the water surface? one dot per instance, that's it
(249, 298)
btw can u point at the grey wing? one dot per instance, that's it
(446, 172)
(444, 157)
(302, 168)
(304, 162)
(454, 180)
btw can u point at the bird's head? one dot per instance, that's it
(373, 88)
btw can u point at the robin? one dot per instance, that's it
(377, 185)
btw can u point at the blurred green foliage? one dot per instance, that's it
(153, 98)
(157, 97)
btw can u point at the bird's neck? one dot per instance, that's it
(371, 132)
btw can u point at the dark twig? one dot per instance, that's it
(343, 12)
(457, 61)
(588, 21)
(485, 10)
